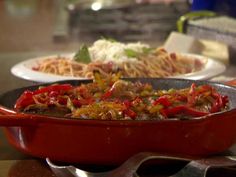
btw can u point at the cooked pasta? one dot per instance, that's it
(61, 66)
(158, 63)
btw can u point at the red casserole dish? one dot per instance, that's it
(112, 142)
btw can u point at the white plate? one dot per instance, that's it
(24, 70)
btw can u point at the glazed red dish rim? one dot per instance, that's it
(9, 111)
(54, 119)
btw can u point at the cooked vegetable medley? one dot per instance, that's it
(115, 99)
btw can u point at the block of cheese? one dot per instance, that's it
(182, 43)
(178, 42)
(215, 50)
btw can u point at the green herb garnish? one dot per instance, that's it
(134, 54)
(82, 55)
(147, 50)
(131, 53)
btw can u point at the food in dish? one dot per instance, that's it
(110, 98)
(132, 60)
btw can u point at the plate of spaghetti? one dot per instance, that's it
(109, 56)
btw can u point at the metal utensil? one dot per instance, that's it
(199, 168)
(195, 168)
(127, 169)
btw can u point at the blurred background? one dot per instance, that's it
(61, 25)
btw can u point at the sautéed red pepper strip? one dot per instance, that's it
(183, 102)
(26, 98)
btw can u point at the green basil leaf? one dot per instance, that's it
(82, 55)
(131, 53)
(147, 50)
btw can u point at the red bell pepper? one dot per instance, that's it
(130, 113)
(225, 100)
(107, 94)
(77, 103)
(218, 104)
(163, 100)
(53, 88)
(127, 103)
(82, 101)
(24, 100)
(192, 95)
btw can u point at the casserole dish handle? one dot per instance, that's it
(17, 120)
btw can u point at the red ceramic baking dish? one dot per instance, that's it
(112, 142)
